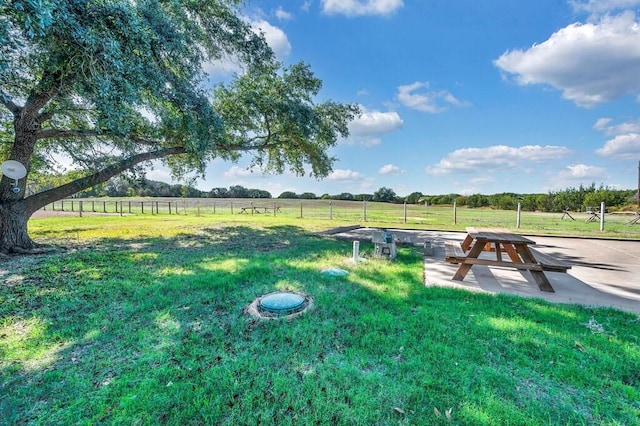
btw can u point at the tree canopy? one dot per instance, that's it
(111, 85)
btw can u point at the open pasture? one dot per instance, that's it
(337, 213)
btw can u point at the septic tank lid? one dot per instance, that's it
(282, 303)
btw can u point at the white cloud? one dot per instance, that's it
(625, 142)
(427, 100)
(242, 172)
(228, 65)
(604, 125)
(276, 38)
(367, 129)
(581, 171)
(601, 7)
(366, 7)
(499, 157)
(345, 175)
(623, 147)
(590, 63)
(390, 169)
(283, 15)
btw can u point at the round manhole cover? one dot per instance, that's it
(282, 303)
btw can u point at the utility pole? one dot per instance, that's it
(638, 193)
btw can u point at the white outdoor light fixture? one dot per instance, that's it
(14, 170)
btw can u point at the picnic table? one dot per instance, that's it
(258, 210)
(567, 215)
(635, 219)
(594, 215)
(497, 240)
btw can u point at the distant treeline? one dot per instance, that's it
(573, 199)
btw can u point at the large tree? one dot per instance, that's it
(114, 84)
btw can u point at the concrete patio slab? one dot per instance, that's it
(604, 273)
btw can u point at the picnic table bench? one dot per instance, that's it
(521, 255)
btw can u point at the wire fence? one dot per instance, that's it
(380, 214)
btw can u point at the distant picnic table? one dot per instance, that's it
(258, 209)
(594, 214)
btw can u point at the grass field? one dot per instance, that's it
(141, 320)
(317, 213)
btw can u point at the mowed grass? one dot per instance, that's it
(142, 321)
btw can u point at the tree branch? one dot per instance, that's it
(64, 133)
(70, 133)
(41, 199)
(8, 102)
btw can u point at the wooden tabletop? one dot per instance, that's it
(498, 235)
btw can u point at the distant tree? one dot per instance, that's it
(345, 196)
(288, 195)
(219, 193)
(504, 201)
(238, 191)
(610, 197)
(117, 188)
(325, 196)
(259, 193)
(414, 198)
(443, 199)
(477, 200)
(362, 197)
(308, 196)
(384, 194)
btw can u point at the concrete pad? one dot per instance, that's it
(604, 273)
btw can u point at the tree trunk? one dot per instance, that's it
(14, 214)
(14, 237)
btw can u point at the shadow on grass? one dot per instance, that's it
(154, 331)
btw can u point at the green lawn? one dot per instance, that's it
(142, 321)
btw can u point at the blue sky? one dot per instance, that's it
(461, 96)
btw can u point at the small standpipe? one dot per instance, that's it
(356, 250)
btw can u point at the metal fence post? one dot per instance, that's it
(455, 213)
(405, 212)
(364, 209)
(518, 219)
(602, 216)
